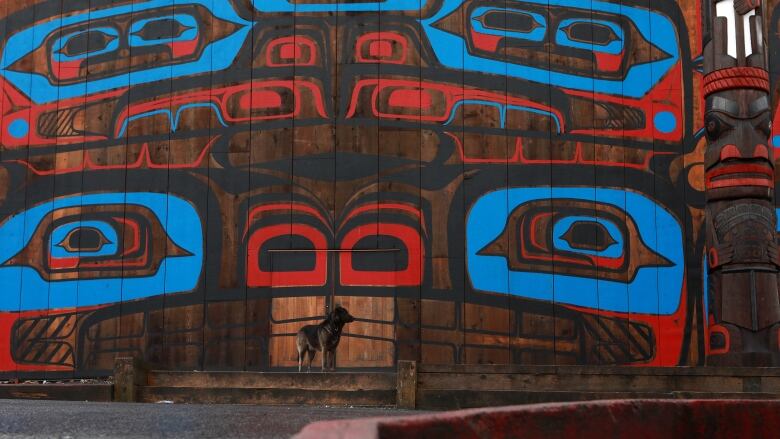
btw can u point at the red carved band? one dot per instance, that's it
(744, 6)
(744, 170)
(736, 77)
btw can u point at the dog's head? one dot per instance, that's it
(340, 315)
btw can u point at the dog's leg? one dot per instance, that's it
(311, 353)
(324, 357)
(300, 359)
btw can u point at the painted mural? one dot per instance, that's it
(507, 182)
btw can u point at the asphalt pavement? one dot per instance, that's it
(61, 419)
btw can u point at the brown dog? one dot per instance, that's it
(324, 337)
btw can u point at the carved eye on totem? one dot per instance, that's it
(716, 126)
(764, 124)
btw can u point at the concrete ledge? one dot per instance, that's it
(619, 419)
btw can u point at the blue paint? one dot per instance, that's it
(175, 274)
(503, 109)
(776, 141)
(19, 128)
(536, 34)
(272, 6)
(187, 21)
(665, 122)
(112, 45)
(613, 47)
(58, 235)
(654, 290)
(174, 120)
(452, 51)
(217, 56)
(615, 250)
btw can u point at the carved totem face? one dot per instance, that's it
(738, 160)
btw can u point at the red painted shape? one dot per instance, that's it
(729, 152)
(410, 276)
(629, 419)
(761, 151)
(290, 51)
(410, 98)
(295, 50)
(378, 47)
(261, 99)
(184, 48)
(256, 277)
(744, 171)
(606, 62)
(488, 43)
(721, 330)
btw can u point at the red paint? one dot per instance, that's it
(739, 169)
(261, 99)
(729, 152)
(488, 43)
(256, 277)
(295, 50)
(382, 47)
(184, 48)
(606, 62)
(410, 98)
(410, 276)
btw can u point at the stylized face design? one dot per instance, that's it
(287, 246)
(738, 158)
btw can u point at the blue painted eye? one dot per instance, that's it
(174, 28)
(86, 43)
(84, 239)
(588, 235)
(596, 35)
(509, 23)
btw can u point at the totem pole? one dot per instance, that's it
(740, 212)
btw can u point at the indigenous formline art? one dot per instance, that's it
(192, 181)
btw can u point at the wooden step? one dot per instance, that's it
(267, 396)
(274, 380)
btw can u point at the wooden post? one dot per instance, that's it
(129, 373)
(407, 385)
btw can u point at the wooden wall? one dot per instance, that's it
(190, 181)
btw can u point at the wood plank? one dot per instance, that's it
(194, 395)
(275, 380)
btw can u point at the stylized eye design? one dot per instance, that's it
(84, 44)
(607, 248)
(597, 35)
(716, 125)
(286, 246)
(600, 47)
(170, 38)
(382, 246)
(292, 245)
(108, 247)
(588, 235)
(85, 238)
(510, 23)
(175, 28)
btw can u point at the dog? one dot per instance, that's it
(323, 337)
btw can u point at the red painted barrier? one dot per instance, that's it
(634, 419)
